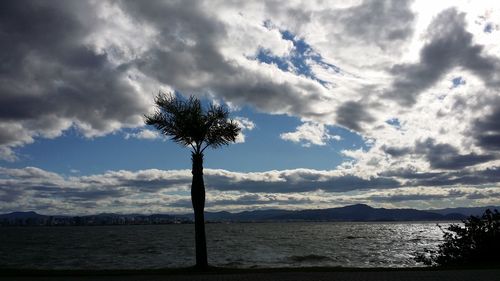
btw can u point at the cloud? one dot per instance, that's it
(107, 80)
(246, 125)
(490, 175)
(122, 183)
(449, 45)
(464, 177)
(288, 181)
(487, 129)
(153, 190)
(93, 65)
(310, 133)
(445, 156)
(419, 195)
(396, 151)
(249, 200)
(364, 33)
(52, 79)
(351, 114)
(143, 134)
(363, 21)
(182, 46)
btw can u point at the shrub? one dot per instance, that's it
(477, 242)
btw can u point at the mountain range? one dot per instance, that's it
(358, 212)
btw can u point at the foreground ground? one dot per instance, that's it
(265, 275)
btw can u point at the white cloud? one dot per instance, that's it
(163, 191)
(144, 134)
(310, 133)
(246, 125)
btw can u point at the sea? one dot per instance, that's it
(241, 245)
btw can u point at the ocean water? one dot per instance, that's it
(231, 245)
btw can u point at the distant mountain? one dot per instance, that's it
(257, 215)
(34, 219)
(363, 212)
(358, 212)
(470, 211)
(21, 215)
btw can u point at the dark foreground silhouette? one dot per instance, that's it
(477, 243)
(289, 274)
(191, 125)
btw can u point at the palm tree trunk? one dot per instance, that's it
(198, 200)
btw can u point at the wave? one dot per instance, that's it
(234, 264)
(309, 258)
(354, 237)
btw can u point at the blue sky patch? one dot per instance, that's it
(73, 154)
(394, 122)
(266, 56)
(457, 82)
(488, 28)
(299, 59)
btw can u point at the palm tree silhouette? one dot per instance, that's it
(191, 125)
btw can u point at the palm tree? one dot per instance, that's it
(191, 125)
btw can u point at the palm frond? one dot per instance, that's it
(187, 123)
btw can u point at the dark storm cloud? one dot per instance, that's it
(123, 183)
(483, 195)
(181, 203)
(351, 114)
(245, 200)
(9, 194)
(488, 176)
(35, 187)
(51, 78)
(410, 174)
(49, 74)
(439, 156)
(191, 38)
(487, 129)
(64, 194)
(445, 156)
(45, 184)
(464, 177)
(91, 194)
(298, 181)
(396, 151)
(189, 59)
(379, 21)
(144, 185)
(408, 197)
(449, 45)
(135, 182)
(472, 194)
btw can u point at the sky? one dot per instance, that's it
(394, 104)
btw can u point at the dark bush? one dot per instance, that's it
(475, 243)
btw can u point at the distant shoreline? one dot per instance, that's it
(238, 222)
(352, 213)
